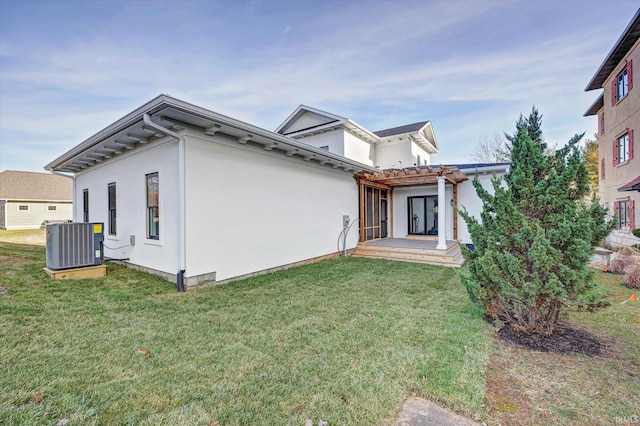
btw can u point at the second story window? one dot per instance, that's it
(622, 84)
(623, 148)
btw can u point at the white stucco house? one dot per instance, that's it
(200, 197)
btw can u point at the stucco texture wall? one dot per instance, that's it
(250, 210)
(128, 171)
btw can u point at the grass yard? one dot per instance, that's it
(345, 341)
(534, 388)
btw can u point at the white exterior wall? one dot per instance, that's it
(333, 139)
(128, 171)
(249, 210)
(358, 149)
(468, 199)
(390, 154)
(424, 155)
(400, 208)
(14, 218)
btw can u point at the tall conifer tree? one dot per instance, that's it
(535, 234)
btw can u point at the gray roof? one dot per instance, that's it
(624, 44)
(407, 128)
(16, 185)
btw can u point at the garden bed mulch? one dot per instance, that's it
(566, 339)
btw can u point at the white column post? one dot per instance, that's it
(442, 215)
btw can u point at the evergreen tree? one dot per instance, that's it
(590, 157)
(535, 234)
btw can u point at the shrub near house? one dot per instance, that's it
(535, 235)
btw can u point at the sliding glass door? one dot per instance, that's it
(423, 215)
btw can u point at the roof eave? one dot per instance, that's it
(610, 63)
(595, 107)
(262, 136)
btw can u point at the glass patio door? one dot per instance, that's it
(423, 215)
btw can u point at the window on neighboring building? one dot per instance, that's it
(623, 148)
(419, 161)
(85, 205)
(325, 148)
(112, 208)
(153, 210)
(601, 123)
(621, 214)
(23, 207)
(52, 208)
(622, 84)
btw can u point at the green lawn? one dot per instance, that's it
(346, 341)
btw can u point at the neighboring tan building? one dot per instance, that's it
(618, 112)
(28, 200)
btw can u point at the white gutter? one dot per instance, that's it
(181, 198)
(73, 189)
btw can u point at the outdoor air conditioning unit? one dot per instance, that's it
(74, 245)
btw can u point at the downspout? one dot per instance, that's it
(73, 188)
(181, 198)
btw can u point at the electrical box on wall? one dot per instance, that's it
(345, 220)
(74, 245)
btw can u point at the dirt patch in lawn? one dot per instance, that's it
(6, 260)
(507, 397)
(566, 339)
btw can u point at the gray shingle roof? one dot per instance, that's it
(407, 128)
(16, 185)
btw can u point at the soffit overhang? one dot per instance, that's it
(131, 132)
(595, 107)
(425, 138)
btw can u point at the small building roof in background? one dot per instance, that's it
(28, 186)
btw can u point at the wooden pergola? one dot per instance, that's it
(382, 184)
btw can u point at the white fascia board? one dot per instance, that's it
(418, 138)
(301, 109)
(323, 128)
(164, 101)
(374, 138)
(118, 125)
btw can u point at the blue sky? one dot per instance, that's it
(70, 68)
